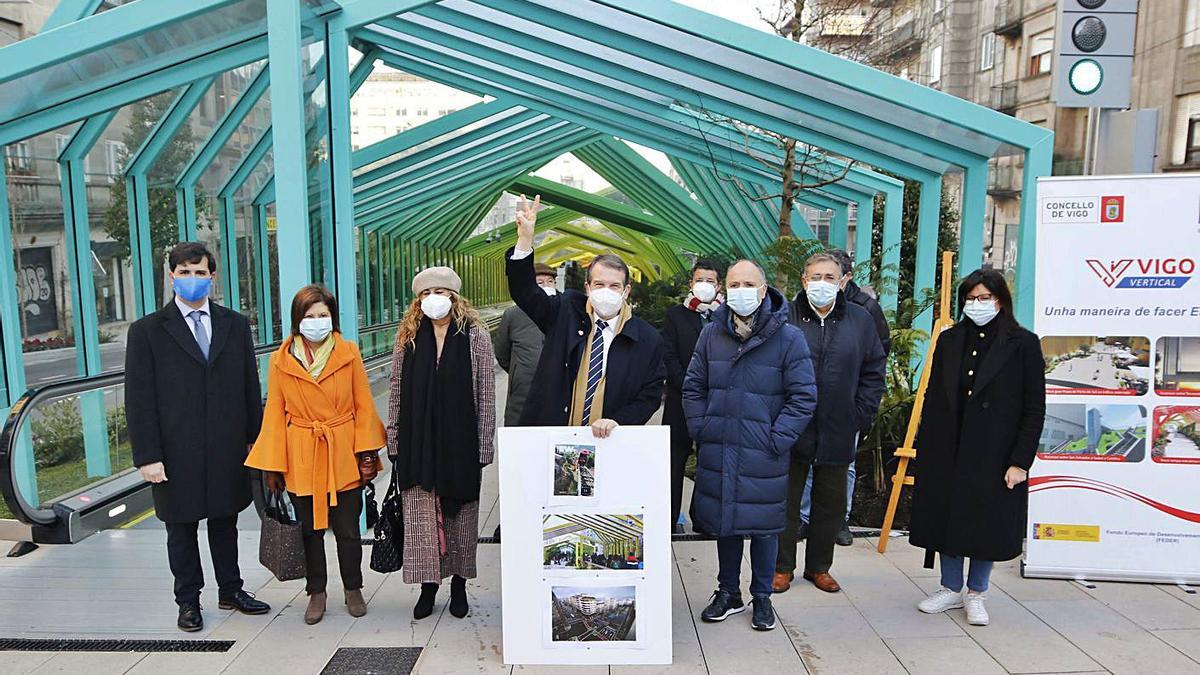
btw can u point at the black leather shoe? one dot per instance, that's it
(190, 619)
(244, 603)
(844, 536)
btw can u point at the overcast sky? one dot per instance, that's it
(742, 11)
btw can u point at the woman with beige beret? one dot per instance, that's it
(441, 430)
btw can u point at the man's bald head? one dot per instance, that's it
(744, 271)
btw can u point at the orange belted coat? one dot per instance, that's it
(313, 428)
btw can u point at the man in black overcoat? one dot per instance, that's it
(600, 365)
(194, 406)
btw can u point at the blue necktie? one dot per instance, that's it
(201, 334)
(595, 369)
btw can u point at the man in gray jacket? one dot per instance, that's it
(518, 344)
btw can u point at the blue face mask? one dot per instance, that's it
(192, 289)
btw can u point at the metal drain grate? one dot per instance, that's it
(372, 661)
(70, 645)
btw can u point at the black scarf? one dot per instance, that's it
(438, 432)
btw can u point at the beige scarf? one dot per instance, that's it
(320, 355)
(577, 398)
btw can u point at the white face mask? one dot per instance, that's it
(743, 301)
(981, 311)
(821, 293)
(549, 290)
(316, 329)
(606, 302)
(704, 291)
(435, 306)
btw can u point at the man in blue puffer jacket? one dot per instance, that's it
(749, 394)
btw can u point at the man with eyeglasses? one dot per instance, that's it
(849, 362)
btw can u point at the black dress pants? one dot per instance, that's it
(828, 514)
(183, 553)
(343, 520)
(682, 447)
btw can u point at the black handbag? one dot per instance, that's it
(369, 505)
(387, 553)
(281, 544)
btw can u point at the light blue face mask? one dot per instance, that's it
(743, 301)
(192, 289)
(821, 293)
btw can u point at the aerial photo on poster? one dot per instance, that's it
(1097, 433)
(1177, 366)
(592, 541)
(1176, 435)
(574, 470)
(1086, 364)
(593, 613)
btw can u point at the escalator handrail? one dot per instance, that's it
(29, 401)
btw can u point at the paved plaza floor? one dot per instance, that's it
(116, 584)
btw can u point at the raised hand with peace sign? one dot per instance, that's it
(526, 220)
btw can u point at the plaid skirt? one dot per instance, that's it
(424, 541)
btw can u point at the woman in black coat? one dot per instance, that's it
(983, 415)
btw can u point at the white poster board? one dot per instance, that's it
(585, 545)
(1115, 492)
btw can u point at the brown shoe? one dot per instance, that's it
(782, 581)
(355, 604)
(316, 608)
(823, 581)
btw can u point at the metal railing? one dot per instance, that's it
(58, 519)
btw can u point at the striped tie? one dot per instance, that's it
(595, 369)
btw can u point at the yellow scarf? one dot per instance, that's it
(320, 355)
(580, 391)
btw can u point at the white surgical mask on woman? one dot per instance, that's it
(743, 301)
(981, 311)
(435, 306)
(704, 291)
(606, 302)
(316, 329)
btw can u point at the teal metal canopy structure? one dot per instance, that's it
(237, 118)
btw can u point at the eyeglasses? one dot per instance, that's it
(986, 297)
(832, 278)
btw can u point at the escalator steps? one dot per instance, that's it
(73, 645)
(372, 661)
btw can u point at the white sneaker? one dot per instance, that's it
(976, 613)
(941, 601)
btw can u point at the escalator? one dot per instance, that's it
(66, 470)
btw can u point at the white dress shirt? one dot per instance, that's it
(205, 318)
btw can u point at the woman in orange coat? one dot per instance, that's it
(320, 440)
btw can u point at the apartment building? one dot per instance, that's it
(999, 53)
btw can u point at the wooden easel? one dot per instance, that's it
(907, 451)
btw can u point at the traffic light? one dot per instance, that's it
(1093, 60)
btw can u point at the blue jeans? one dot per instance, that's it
(806, 498)
(763, 550)
(952, 573)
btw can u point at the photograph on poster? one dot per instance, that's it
(1096, 433)
(592, 541)
(574, 470)
(1177, 366)
(1105, 366)
(593, 613)
(1176, 435)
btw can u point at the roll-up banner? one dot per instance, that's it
(1115, 491)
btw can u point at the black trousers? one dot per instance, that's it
(682, 447)
(343, 520)
(828, 513)
(183, 553)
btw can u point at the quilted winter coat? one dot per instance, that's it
(746, 404)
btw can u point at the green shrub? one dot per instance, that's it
(58, 436)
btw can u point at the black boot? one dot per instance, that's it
(424, 606)
(458, 597)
